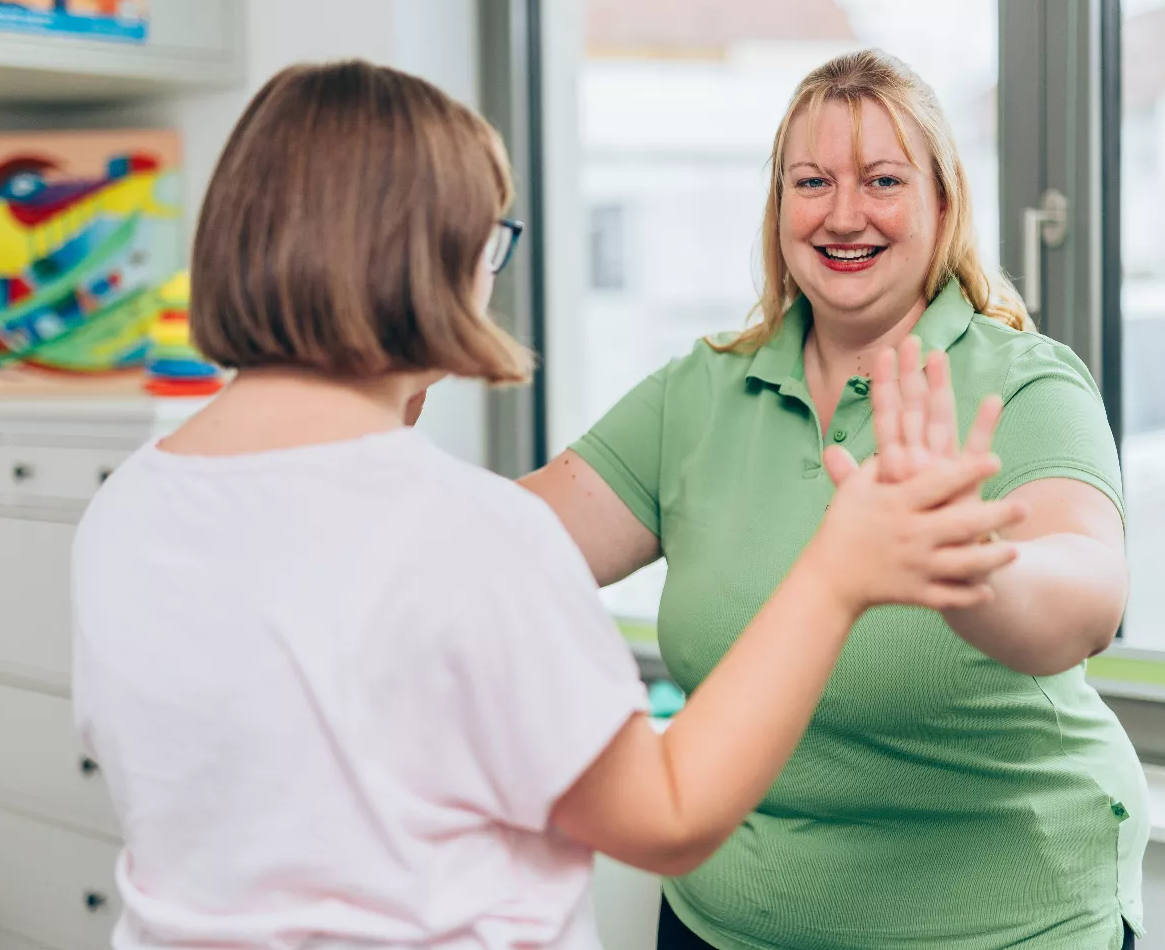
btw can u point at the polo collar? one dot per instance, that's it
(945, 320)
(780, 362)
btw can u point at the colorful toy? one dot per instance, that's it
(174, 367)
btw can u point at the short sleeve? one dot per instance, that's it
(625, 448)
(546, 680)
(1054, 425)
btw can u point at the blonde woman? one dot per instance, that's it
(960, 785)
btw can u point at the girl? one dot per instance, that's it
(349, 692)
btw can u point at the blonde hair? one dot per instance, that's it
(874, 76)
(343, 227)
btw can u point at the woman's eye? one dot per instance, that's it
(811, 183)
(886, 181)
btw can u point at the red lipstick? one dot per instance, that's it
(849, 258)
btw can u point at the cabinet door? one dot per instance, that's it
(43, 769)
(56, 887)
(35, 623)
(10, 941)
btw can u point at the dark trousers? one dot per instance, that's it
(674, 935)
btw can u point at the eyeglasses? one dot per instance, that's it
(502, 241)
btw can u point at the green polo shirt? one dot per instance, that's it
(938, 799)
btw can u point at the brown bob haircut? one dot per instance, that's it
(343, 228)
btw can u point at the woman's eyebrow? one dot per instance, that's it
(813, 166)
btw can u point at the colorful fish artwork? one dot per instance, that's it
(90, 232)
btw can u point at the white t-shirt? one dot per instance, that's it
(335, 691)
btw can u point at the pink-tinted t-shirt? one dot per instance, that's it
(335, 692)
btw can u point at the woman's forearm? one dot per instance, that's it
(1059, 603)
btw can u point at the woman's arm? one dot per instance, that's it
(614, 542)
(666, 803)
(1062, 599)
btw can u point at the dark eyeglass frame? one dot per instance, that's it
(515, 228)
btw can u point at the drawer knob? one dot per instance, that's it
(94, 901)
(103, 474)
(89, 767)
(22, 471)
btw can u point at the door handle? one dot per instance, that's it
(1047, 224)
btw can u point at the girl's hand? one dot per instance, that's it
(917, 541)
(914, 412)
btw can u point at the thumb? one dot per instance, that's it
(839, 464)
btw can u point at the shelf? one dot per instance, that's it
(191, 44)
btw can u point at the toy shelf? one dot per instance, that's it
(190, 44)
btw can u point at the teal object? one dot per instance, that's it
(666, 699)
(182, 369)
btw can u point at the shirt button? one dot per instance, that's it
(839, 435)
(861, 387)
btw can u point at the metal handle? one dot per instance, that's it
(21, 472)
(88, 766)
(103, 475)
(94, 901)
(1047, 224)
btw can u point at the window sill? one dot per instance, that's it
(1129, 673)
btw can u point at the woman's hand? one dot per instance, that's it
(914, 412)
(917, 541)
(915, 506)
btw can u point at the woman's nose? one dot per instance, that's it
(846, 215)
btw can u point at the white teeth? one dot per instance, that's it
(847, 254)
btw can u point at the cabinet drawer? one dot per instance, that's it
(42, 765)
(56, 888)
(35, 638)
(9, 941)
(36, 474)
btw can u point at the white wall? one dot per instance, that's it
(1154, 899)
(436, 39)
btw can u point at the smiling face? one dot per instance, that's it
(858, 238)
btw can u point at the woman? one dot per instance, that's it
(960, 786)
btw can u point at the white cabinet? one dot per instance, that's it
(190, 44)
(56, 886)
(58, 832)
(34, 579)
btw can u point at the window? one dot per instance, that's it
(608, 247)
(677, 103)
(1142, 298)
(659, 117)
